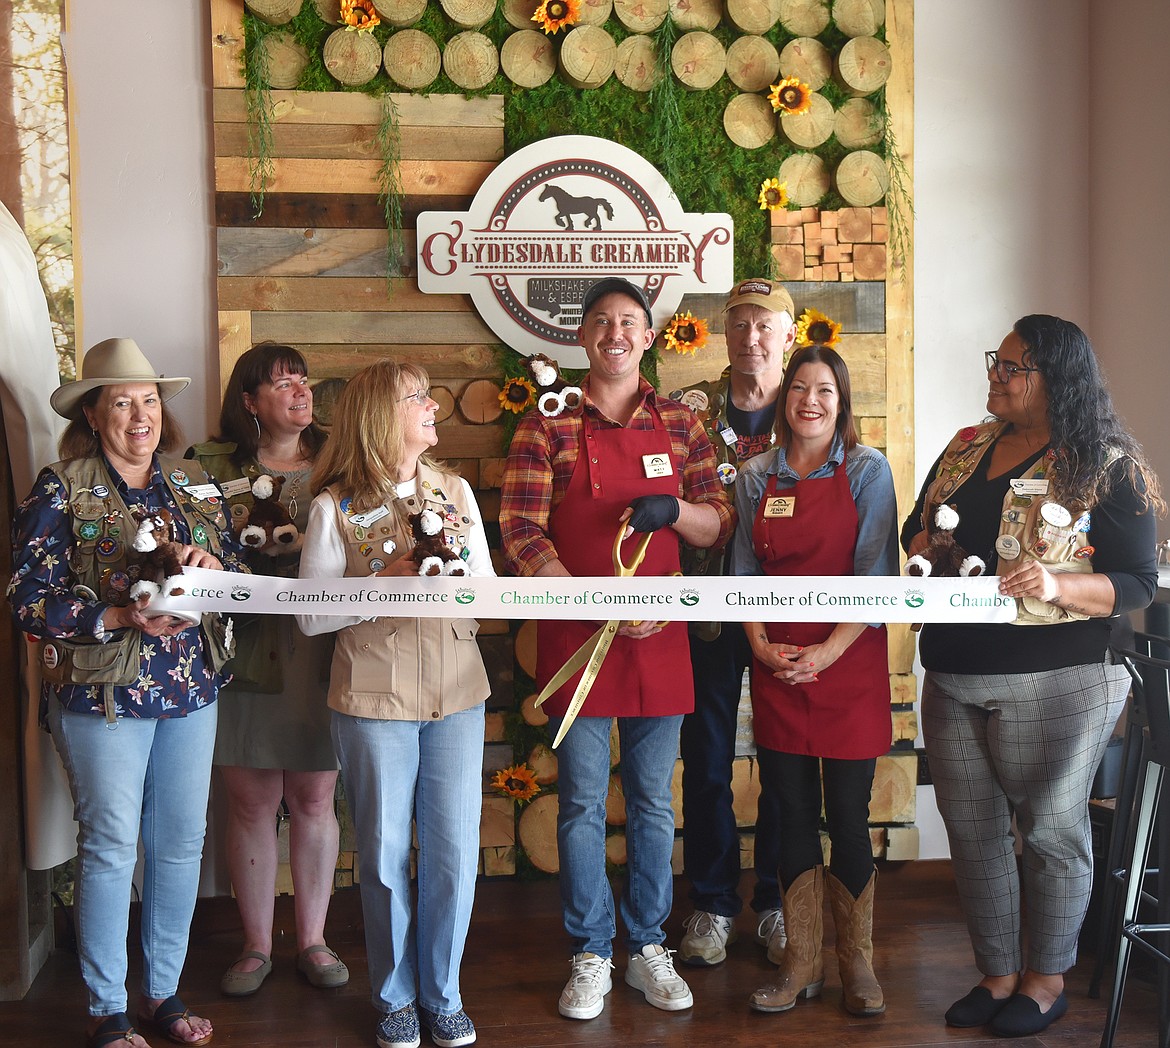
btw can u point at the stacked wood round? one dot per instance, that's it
(749, 121)
(412, 59)
(518, 13)
(479, 402)
(698, 60)
(329, 11)
(696, 14)
(274, 12)
(468, 14)
(862, 178)
(640, 16)
(863, 65)
(804, 17)
(636, 65)
(753, 16)
(284, 59)
(858, 124)
(400, 13)
(859, 17)
(587, 57)
(442, 396)
(471, 61)
(752, 63)
(352, 58)
(812, 127)
(537, 830)
(594, 12)
(806, 177)
(528, 58)
(808, 60)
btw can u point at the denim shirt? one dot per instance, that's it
(871, 483)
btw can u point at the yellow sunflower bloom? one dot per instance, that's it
(790, 96)
(686, 333)
(554, 15)
(773, 195)
(517, 782)
(359, 14)
(518, 395)
(815, 329)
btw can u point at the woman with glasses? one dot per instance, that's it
(407, 697)
(1057, 497)
(819, 503)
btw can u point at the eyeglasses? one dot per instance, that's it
(419, 396)
(1004, 372)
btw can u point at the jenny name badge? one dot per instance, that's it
(656, 466)
(1025, 486)
(779, 506)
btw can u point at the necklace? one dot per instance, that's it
(293, 479)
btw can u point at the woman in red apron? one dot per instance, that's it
(819, 504)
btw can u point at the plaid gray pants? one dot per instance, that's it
(1024, 744)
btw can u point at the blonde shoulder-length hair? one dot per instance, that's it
(366, 445)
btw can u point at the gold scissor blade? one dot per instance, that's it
(571, 666)
(604, 638)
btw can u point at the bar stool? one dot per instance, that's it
(1155, 676)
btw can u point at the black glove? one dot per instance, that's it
(652, 512)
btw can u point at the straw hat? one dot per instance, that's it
(113, 362)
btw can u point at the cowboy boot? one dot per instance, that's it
(854, 921)
(802, 970)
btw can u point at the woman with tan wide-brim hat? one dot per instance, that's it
(129, 696)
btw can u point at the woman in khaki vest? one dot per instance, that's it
(407, 697)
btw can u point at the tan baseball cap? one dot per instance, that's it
(759, 291)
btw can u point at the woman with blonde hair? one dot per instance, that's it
(407, 698)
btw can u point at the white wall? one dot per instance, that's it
(1004, 163)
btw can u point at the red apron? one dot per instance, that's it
(639, 678)
(846, 713)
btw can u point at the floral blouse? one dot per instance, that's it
(174, 678)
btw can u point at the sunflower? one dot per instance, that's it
(686, 333)
(518, 395)
(517, 782)
(773, 195)
(359, 14)
(815, 329)
(790, 96)
(554, 15)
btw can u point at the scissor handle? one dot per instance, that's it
(619, 566)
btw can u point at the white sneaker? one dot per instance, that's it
(652, 972)
(770, 934)
(706, 939)
(584, 994)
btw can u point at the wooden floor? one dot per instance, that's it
(517, 962)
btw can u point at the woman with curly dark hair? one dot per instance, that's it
(1060, 500)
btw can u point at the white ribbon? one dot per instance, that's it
(672, 598)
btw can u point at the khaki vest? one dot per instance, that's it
(103, 528)
(1059, 549)
(405, 668)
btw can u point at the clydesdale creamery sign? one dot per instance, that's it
(555, 217)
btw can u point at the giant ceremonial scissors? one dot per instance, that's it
(592, 653)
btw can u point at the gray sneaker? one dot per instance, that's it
(771, 935)
(584, 994)
(705, 941)
(652, 972)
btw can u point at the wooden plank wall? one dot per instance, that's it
(311, 270)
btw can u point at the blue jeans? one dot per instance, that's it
(710, 835)
(432, 771)
(649, 748)
(143, 776)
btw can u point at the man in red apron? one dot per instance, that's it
(624, 454)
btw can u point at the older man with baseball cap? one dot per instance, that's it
(738, 410)
(623, 456)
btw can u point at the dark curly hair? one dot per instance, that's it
(1084, 428)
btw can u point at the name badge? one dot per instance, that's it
(1025, 486)
(203, 491)
(728, 435)
(780, 506)
(364, 520)
(236, 487)
(656, 466)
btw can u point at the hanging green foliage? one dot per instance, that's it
(390, 186)
(259, 101)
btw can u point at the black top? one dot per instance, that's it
(1123, 536)
(753, 429)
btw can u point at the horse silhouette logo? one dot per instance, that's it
(569, 205)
